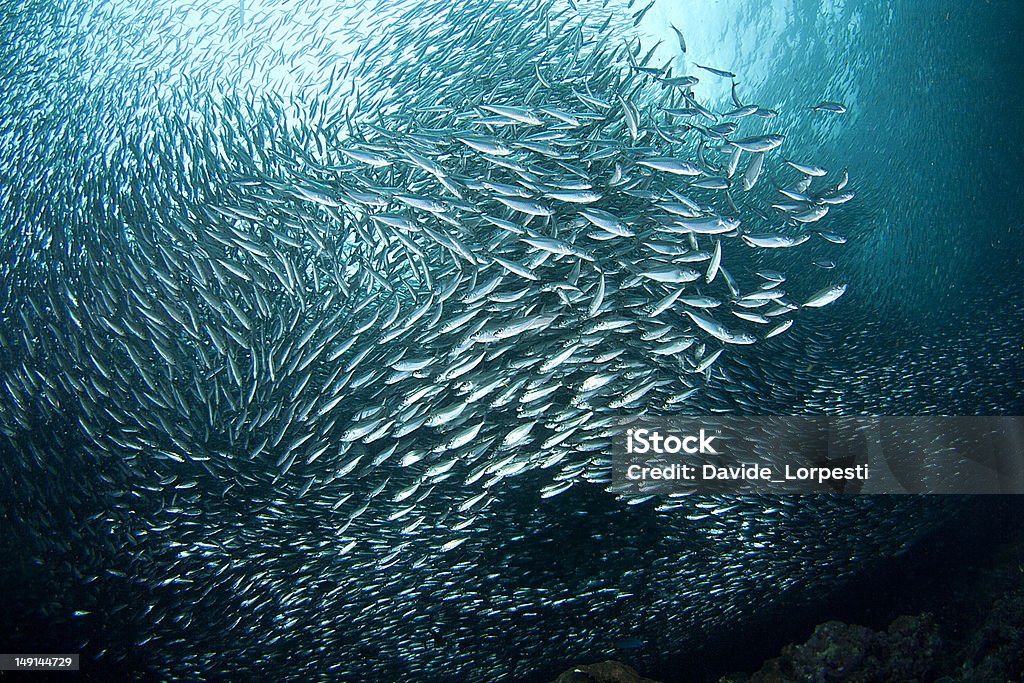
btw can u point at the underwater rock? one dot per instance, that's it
(603, 672)
(996, 650)
(912, 648)
(836, 652)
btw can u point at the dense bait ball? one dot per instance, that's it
(312, 342)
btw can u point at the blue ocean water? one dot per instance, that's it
(934, 97)
(931, 323)
(936, 255)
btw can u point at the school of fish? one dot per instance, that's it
(323, 380)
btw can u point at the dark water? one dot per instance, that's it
(931, 324)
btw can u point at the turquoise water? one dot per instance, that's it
(150, 529)
(934, 103)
